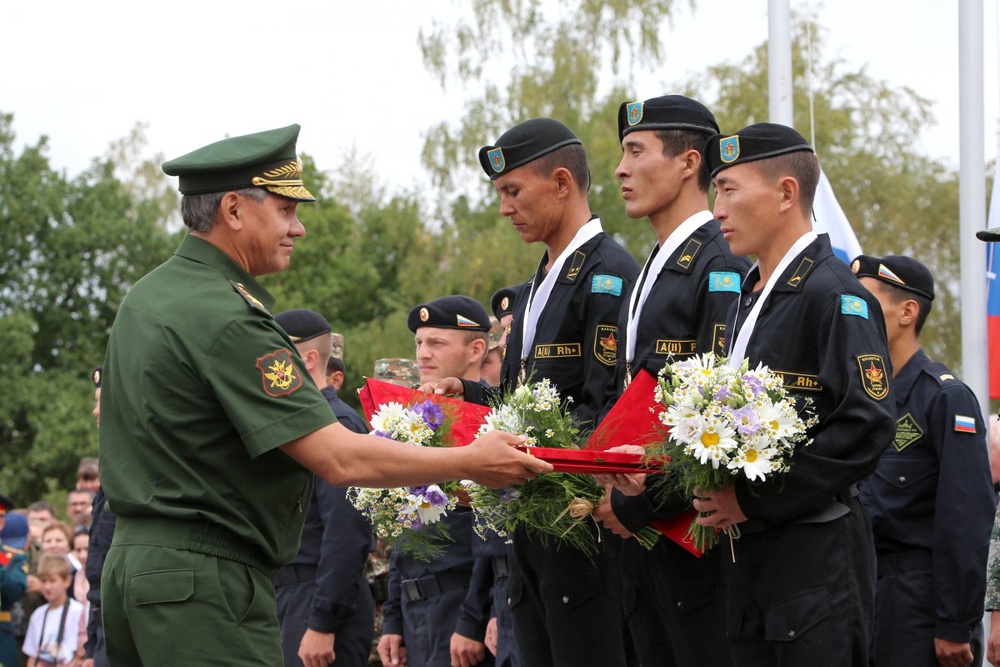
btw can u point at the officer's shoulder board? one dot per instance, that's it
(251, 300)
(942, 376)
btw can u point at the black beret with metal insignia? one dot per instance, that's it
(669, 112)
(449, 312)
(903, 272)
(263, 159)
(754, 142)
(96, 376)
(525, 143)
(991, 235)
(302, 324)
(502, 301)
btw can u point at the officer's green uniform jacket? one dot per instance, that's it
(201, 387)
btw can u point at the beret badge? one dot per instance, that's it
(424, 315)
(496, 159)
(729, 149)
(634, 113)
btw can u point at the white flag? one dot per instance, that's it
(830, 219)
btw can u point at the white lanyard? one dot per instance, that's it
(540, 296)
(651, 271)
(739, 348)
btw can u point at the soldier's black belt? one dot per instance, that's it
(433, 585)
(904, 561)
(295, 574)
(501, 568)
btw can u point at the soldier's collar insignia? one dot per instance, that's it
(496, 158)
(634, 113)
(278, 373)
(873, 375)
(579, 257)
(729, 149)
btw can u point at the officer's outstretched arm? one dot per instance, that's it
(344, 458)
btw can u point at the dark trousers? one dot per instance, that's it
(801, 594)
(567, 606)
(428, 625)
(352, 643)
(905, 621)
(507, 653)
(672, 606)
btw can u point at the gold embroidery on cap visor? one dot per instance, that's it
(285, 180)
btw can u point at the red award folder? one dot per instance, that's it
(468, 417)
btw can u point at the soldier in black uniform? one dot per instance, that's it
(676, 309)
(931, 499)
(799, 588)
(422, 612)
(566, 606)
(324, 603)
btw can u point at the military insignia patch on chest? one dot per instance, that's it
(908, 431)
(873, 376)
(606, 344)
(279, 374)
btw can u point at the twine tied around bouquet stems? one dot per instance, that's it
(733, 533)
(578, 508)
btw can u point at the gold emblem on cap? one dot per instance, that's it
(855, 266)
(504, 302)
(424, 315)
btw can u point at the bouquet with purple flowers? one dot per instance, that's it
(409, 517)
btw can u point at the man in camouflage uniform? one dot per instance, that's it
(403, 372)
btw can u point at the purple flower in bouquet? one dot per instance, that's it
(746, 421)
(755, 384)
(431, 413)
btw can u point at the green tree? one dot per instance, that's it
(71, 249)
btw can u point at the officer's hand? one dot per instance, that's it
(391, 650)
(466, 652)
(495, 463)
(87, 662)
(721, 509)
(606, 515)
(444, 387)
(954, 654)
(631, 484)
(34, 584)
(492, 635)
(316, 649)
(993, 642)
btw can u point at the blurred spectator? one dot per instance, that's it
(79, 506)
(86, 473)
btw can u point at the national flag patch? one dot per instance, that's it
(853, 305)
(885, 272)
(602, 284)
(724, 281)
(965, 424)
(465, 321)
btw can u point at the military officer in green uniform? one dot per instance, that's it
(211, 428)
(13, 577)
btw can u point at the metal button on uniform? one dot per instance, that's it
(791, 633)
(508, 602)
(680, 605)
(748, 301)
(565, 599)
(902, 479)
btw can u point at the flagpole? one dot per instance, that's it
(779, 58)
(972, 200)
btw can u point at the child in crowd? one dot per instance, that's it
(54, 629)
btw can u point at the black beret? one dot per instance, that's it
(990, 235)
(502, 301)
(6, 502)
(754, 142)
(449, 312)
(670, 112)
(96, 376)
(524, 143)
(896, 270)
(302, 324)
(263, 159)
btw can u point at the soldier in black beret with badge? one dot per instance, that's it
(211, 427)
(799, 587)
(566, 607)
(676, 310)
(931, 499)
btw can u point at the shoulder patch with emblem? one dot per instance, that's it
(853, 305)
(604, 284)
(278, 373)
(908, 431)
(965, 424)
(724, 281)
(254, 302)
(873, 375)
(606, 344)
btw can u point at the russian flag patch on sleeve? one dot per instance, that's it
(965, 424)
